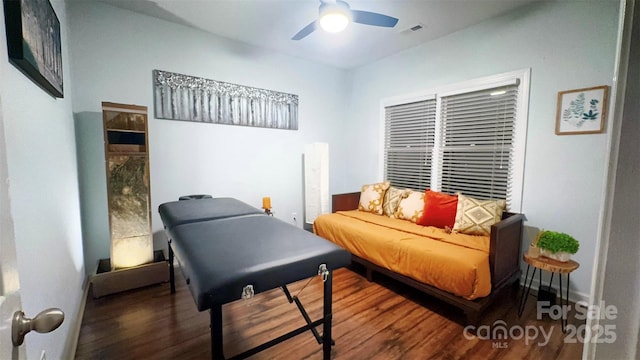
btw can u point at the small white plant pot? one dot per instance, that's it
(559, 256)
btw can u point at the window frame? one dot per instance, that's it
(522, 76)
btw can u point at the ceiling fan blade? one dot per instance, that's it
(375, 19)
(305, 31)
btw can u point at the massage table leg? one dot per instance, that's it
(295, 299)
(215, 314)
(326, 327)
(172, 275)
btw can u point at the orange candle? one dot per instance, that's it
(266, 202)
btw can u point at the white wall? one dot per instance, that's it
(43, 186)
(563, 174)
(114, 52)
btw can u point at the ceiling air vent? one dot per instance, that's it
(413, 28)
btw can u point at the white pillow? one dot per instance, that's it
(371, 197)
(411, 206)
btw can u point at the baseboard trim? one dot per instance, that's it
(71, 345)
(574, 296)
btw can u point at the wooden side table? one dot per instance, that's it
(555, 267)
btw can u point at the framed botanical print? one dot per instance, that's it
(582, 111)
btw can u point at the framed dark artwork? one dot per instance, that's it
(33, 42)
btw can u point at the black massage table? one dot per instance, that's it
(229, 250)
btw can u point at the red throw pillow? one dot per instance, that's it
(439, 209)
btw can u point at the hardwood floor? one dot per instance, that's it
(370, 321)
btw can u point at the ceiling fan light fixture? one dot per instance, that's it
(334, 21)
(335, 16)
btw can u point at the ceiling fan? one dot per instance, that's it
(335, 15)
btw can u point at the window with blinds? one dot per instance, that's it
(476, 142)
(409, 140)
(464, 140)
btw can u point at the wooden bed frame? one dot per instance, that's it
(504, 261)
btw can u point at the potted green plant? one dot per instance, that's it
(558, 246)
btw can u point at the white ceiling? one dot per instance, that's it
(272, 23)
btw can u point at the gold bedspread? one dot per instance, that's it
(456, 263)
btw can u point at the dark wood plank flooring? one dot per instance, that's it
(372, 320)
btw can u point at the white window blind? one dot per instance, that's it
(467, 137)
(476, 142)
(409, 140)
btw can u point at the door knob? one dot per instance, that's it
(46, 321)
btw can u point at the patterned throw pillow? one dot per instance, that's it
(411, 206)
(475, 217)
(371, 197)
(391, 200)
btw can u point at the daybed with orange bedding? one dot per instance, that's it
(464, 270)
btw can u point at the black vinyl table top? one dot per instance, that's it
(187, 211)
(224, 250)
